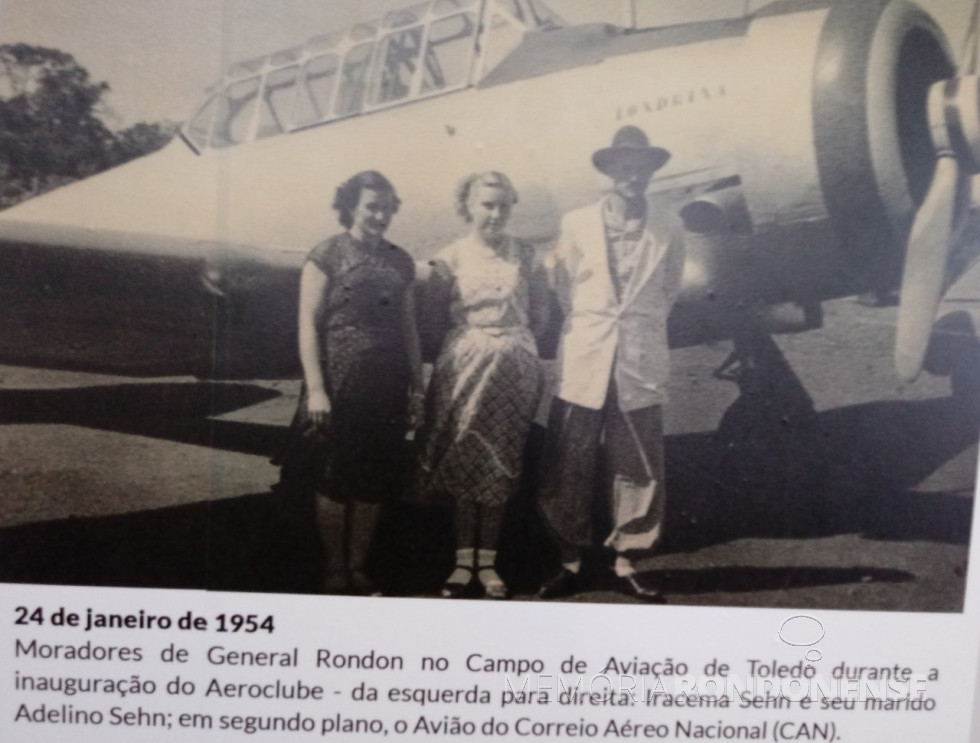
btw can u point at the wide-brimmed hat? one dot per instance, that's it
(630, 143)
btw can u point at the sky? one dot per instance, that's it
(158, 56)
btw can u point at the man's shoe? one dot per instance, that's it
(564, 583)
(635, 585)
(358, 584)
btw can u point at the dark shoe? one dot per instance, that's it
(335, 584)
(564, 583)
(635, 585)
(360, 585)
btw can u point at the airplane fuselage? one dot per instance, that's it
(756, 110)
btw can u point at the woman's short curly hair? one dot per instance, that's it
(491, 178)
(349, 194)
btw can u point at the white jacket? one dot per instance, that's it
(603, 336)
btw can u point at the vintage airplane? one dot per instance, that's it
(811, 141)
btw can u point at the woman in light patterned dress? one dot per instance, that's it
(486, 381)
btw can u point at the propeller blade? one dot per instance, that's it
(925, 268)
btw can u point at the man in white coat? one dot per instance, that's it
(616, 271)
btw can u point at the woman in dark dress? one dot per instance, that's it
(362, 373)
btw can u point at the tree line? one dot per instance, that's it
(52, 130)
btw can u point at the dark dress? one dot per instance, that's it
(366, 371)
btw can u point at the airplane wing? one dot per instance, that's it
(92, 278)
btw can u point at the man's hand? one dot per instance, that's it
(416, 409)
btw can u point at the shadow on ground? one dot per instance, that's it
(178, 411)
(775, 469)
(265, 542)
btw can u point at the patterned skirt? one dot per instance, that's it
(479, 408)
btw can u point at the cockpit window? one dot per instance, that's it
(286, 56)
(236, 108)
(399, 50)
(248, 67)
(426, 49)
(277, 101)
(405, 16)
(362, 32)
(419, 58)
(395, 67)
(323, 43)
(316, 90)
(442, 7)
(199, 129)
(350, 96)
(449, 52)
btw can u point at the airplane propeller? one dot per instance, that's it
(954, 123)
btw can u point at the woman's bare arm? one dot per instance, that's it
(312, 290)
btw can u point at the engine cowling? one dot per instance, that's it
(833, 105)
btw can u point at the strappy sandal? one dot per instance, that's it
(493, 585)
(458, 584)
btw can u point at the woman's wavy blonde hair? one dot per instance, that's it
(489, 178)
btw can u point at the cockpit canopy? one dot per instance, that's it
(426, 49)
